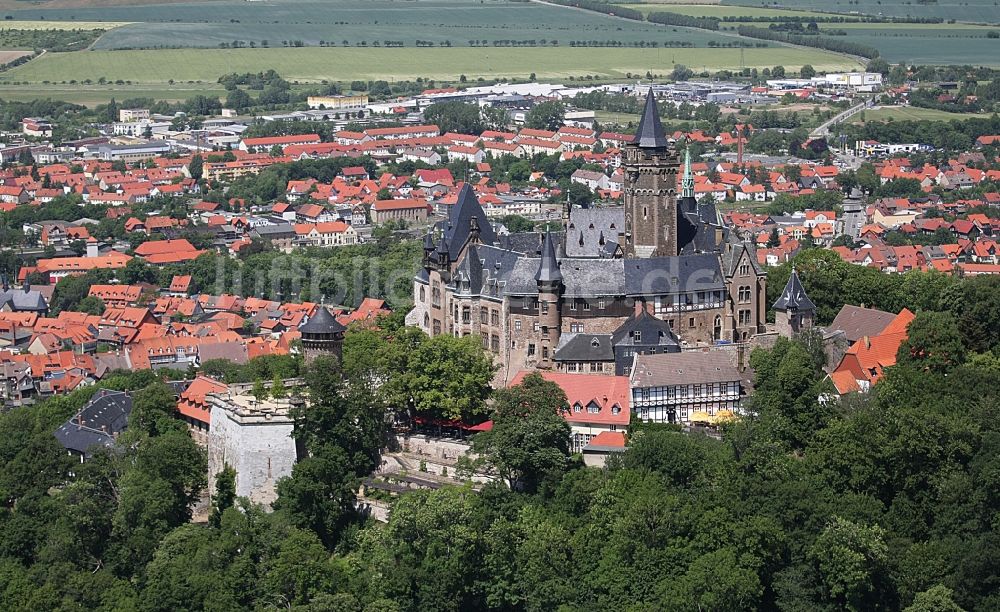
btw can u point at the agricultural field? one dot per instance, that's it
(344, 64)
(926, 43)
(718, 10)
(910, 113)
(973, 11)
(355, 21)
(944, 43)
(92, 95)
(11, 24)
(9, 55)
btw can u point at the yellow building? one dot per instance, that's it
(338, 102)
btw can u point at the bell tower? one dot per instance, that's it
(651, 166)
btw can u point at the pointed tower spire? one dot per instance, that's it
(650, 134)
(794, 297)
(548, 266)
(687, 181)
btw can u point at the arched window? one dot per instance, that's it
(717, 333)
(423, 296)
(427, 320)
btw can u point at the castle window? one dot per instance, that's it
(645, 213)
(531, 350)
(466, 315)
(744, 269)
(600, 304)
(691, 322)
(571, 366)
(517, 324)
(586, 305)
(486, 340)
(744, 317)
(545, 352)
(423, 296)
(483, 315)
(744, 294)
(495, 343)
(495, 317)
(572, 305)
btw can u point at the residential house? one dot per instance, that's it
(688, 388)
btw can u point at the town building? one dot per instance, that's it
(596, 404)
(691, 388)
(665, 254)
(338, 103)
(96, 425)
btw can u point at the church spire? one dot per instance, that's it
(650, 134)
(687, 181)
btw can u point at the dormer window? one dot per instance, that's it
(616, 409)
(595, 343)
(577, 407)
(593, 408)
(637, 336)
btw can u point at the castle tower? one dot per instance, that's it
(794, 312)
(322, 334)
(550, 287)
(651, 166)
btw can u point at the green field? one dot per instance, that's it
(92, 95)
(606, 117)
(717, 10)
(355, 21)
(973, 11)
(910, 113)
(315, 64)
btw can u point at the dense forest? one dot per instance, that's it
(880, 502)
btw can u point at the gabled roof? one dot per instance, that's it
(650, 134)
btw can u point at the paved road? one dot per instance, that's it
(824, 129)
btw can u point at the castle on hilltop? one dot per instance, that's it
(657, 275)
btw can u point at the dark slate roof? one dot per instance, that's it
(105, 415)
(650, 134)
(460, 218)
(668, 369)
(323, 322)
(794, 297)
(731, 255)
(581, 277)
(23, 300)
(665, 275)
(484, 271)
(277, 229)
(529, 243)
(857, 322)
(585, 347)
(548, 265)
(593, 232)
(652, 331)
